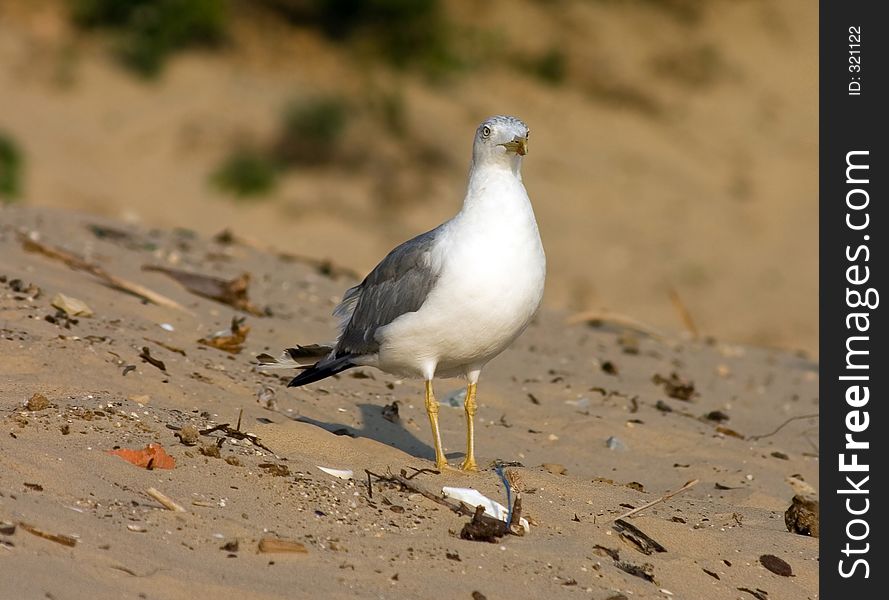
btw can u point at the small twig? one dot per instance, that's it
(666, 496)
(781, 426)
(79, 264)
(420, 472)
(240, 415)
(168, 502)
(370, 487)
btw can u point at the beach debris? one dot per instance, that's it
(481, 530)
(30, 291)
(390, 412)
(31, 244)
(533, 398)
(613, 443)
(663, 406)
(474, 499)
(65, 540)
(581, 404)
(165, 500)
(152, 456)
(712, 574)
(477, 595)
(7, 528)
(137, 528)
(605, 551)
(338, 473)
(609, 368)
(637, 538)
(232, 292)
(229, 340)
(119, 236)
(716, 415)
(210, 450)
(37, 402)
(72, 307)
(188, 435)
(230, 546)
(235, 433)
(645, 570)
(278, 470)
(729, 432)
(782, 425)
(675, 386)
(269, 545)
(801, 517)
(166, 346)
(265, 397)
(757, 593)
(456, 398)
(687, 486)
(167, 327)
(146, 356)
(776, 565)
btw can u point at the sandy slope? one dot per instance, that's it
(128, 546)
(680, 152)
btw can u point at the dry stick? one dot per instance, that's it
(65, 540)
(781, 426)
(666, 496)
(79, 264)
(168, 502)
(458, 507)
(684, 314)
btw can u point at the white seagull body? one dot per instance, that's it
(448, 301)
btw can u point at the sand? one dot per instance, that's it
(553, 399)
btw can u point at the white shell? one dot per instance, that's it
(341, 473)
(473, 497)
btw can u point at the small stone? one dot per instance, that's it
(211, 450)
(613, 443)
(37, 402)
(802, 516)
(188, 435)
(233, 461)
(776, 565)
(72, 307)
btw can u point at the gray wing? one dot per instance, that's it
(399, 284)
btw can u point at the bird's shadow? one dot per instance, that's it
(376, 427)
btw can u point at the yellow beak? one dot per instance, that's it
(519, 145)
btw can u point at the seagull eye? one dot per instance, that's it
(486, 131)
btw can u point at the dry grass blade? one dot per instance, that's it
(79, 264)
(684, 314)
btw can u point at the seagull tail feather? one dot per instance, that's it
(322, 370)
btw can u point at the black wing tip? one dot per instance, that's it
(322, 370)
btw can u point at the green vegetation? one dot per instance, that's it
(11, 166)
(311, 130)
(406, 33)
(551, 67)
(149, 31)
(246, 173)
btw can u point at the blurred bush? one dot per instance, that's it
(150, 30)
(246, 173)
(551, 67)
(407, 33)
(311, 130)
(11, 166)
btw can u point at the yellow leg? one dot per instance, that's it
(470, 407)
(432, 410)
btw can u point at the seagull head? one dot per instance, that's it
(500, 140)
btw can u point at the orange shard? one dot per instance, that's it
(152, 456)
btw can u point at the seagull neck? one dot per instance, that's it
(492, 183)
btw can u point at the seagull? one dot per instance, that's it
(449, 300)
